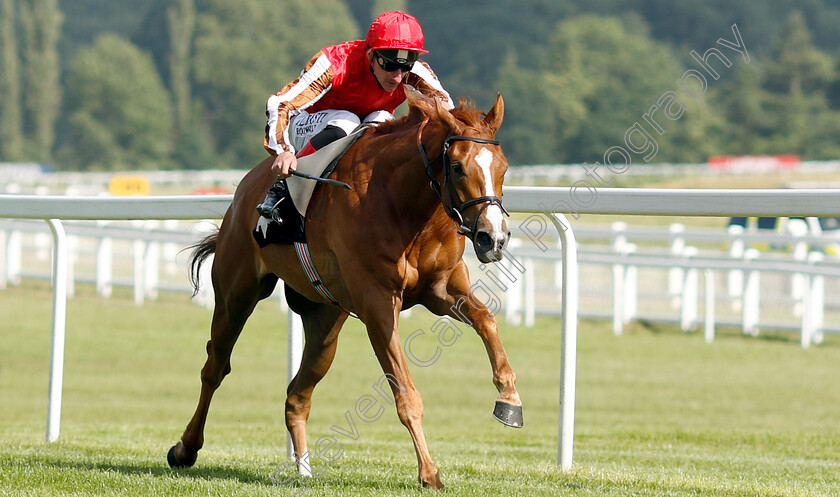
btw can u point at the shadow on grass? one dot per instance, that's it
(329, 481)
(205, 472)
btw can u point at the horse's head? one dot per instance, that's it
(474, 168)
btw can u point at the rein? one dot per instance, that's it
(455, 213)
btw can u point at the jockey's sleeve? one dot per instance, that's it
(314, 81)
(423, 79)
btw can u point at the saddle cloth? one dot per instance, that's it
(299, 192)
(320, 163)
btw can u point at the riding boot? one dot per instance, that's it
(270, 207)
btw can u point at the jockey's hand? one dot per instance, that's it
(283, 163)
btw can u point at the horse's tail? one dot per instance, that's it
(200, 252)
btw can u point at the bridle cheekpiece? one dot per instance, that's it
(455, 213)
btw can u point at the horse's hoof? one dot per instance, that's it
(435, 484)
(175, 462)
(508, 414)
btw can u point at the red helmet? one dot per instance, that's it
(396, 30)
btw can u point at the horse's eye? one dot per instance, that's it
(458, 169)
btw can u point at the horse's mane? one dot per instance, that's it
(466, 112)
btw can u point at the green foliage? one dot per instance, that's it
(468, 41)
(85, 20)
(40, 22)
(575, 74)
(11, 113)
(181, 18)
(380, 6)
(524, 130)
(194, 145)
(796, 66)
(120, 112)
(548, 120)
(243, 55)
(600, 76)
(781, 105)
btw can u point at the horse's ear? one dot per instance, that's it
(493, 119)
(417, 100)
(446, 117)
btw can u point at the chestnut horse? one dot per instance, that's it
(388, 244)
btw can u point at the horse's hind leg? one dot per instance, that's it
(236, 297)
(322, 323)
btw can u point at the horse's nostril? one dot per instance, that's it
(504, 240)
(483, 240)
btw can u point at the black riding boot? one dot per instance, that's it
(270, 207)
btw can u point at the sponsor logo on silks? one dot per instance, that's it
(316, 118)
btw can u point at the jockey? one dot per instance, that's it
(342, 87)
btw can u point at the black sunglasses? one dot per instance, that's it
(388, 65)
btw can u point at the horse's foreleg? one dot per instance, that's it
(322, 323)
(451, 297)
(381, 320)
(234, 304)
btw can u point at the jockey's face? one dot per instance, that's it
(389, 81)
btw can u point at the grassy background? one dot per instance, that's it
(659, 412)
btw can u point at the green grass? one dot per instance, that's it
(659, 412)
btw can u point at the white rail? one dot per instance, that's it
(53, 209)
(549, 201)
(102, 208)
(675, 202)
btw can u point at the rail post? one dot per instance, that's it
(59, 276)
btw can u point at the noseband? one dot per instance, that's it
(455, 213)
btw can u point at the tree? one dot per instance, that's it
(797, 66)
(243, 55)
(380, 6)
(780, 105)
(41, 29)
(526, 132)
(601, 77)
(120, 113)
(11, 116)
(181, 26)
(194, 146)
(468, 41)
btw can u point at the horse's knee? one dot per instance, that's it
(297, 410)
(296, 403)
(212, 376)
(409, 407)
(214, 371)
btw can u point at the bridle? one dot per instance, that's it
(455, 213)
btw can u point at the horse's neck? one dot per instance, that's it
(409, 186)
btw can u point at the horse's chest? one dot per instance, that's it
(430, 263)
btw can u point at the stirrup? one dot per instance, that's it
(270, 208)
(271, 211)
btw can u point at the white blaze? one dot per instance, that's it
(494, 213)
